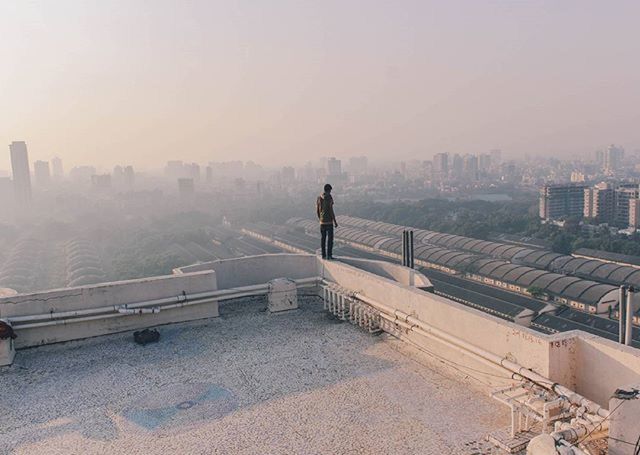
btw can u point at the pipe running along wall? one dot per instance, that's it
(420, 327)
(157, 305)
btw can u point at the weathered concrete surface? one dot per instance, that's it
(245, 383)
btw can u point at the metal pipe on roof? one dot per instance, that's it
(163, 304)
(145, 303)
(622, 312)
(183, 303)
(630, 311)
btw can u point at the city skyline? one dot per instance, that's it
(104, 83)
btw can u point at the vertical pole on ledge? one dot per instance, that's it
(622, 312)
(411, 262)
(406, 263)
(404, 248)
(628, 332)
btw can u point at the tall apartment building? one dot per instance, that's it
(56, 167)
(612, 158)
(605, 204)
(599, 203)
(484, 162)
(623, 195)
(470, 167)
(334, 167)
(21, 173)
(41, 173)
(562, 200)
(440, 167)
(634, 213)
(457, 166)
(129, 176)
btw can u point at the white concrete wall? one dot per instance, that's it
(603, 365)
(592, 366)
(108, 294)
(261, 269)
(395, 272)
(548, 355)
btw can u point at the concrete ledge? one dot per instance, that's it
(247, 271)
(105, 295)
(78, 330)
(395, 272)
(590, 365)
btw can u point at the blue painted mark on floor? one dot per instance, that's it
(181, 404)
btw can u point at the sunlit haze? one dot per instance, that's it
(340, 226)
(142, 82)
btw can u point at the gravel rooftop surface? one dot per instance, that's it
(248, 382)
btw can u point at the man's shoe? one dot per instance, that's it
(330, 258)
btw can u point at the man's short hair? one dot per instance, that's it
(327, 187)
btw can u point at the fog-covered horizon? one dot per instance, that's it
(134, 82)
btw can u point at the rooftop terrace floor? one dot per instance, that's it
(246, 383)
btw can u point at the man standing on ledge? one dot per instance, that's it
(324, 209)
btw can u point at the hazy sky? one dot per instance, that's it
(141, 82)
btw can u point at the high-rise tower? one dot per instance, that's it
(21, 174)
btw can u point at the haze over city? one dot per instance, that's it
(285, 81)
(319, 227)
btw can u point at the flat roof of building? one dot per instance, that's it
(244, 383)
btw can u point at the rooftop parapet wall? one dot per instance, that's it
(590, 365)
(602, 366)
(515, 342)
(105, 295)
(394, 272)
(261, 269)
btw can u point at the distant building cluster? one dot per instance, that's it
(603, 203)
(19, 188)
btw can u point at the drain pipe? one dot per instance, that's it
(622, 314)
(421, 327)
(628, 323)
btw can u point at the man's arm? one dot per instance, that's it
(318, 207)
(333, 216)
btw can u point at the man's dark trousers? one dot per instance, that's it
(326, 235)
